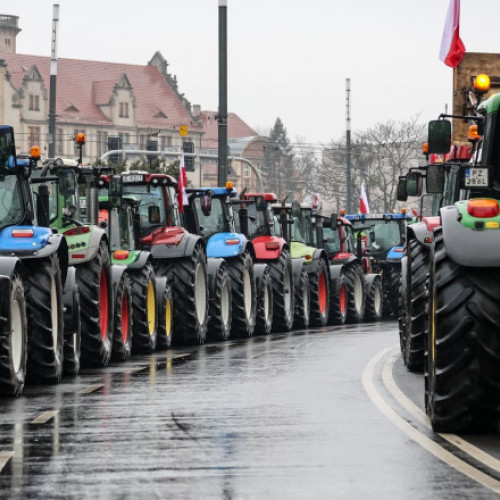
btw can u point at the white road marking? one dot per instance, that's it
(91, 388)
(428, 444)
(415, 411)
(45, 417)
(5, 456)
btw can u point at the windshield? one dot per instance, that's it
(331, 240)
(150, 196)
(302, 228)
(121, 229)
(382, 235)
(213, 222)
(257, 221)
(11, 201)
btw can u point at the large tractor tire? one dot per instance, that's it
(43, 292)
(374, 297)
(220, 309)
(264, 321)
(165, 310)
(94, 282)
(338, 300)
(390, 282)
(123, 319)
(188, 279)
(144, 304)
(244, 295)
(417, 269)
(356, 300)
(13, 336)
(72, 324)
(463, 346)
(319, 289)
(280, 271)
(302, 300)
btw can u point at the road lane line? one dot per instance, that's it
(91, 388)
(45, 417)
(426, 443)
(467, 447)
(5, 456)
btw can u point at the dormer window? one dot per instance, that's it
(34, 102)
(123, 110)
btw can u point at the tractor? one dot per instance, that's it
(209, 213)
(151, 295)
(356, 293)
(254, 218)
(33, 269)
(296, 222)
(385, 235)
(178, 255)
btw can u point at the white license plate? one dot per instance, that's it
(476, 177)
(133, 178)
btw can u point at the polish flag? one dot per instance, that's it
(181, 188)
(363, 201)
(452, 49)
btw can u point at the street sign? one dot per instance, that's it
(183, 130)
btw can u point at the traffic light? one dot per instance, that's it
(188, 147)
(152, 146)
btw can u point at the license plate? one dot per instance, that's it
(476, 177)
(133, 178)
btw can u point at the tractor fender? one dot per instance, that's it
(213, 266)
(8, 267)
(217, 245)
(117, 272)
(335, 272)
(297, 265)
(317, 255)
(96, 235)
(70, 301)
(262, 252)
(141, 261)
(370, 278)
(259, 270)
(420, 232)
(468, 247)
(185, 247)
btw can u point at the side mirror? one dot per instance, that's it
(402, 192)
(439, 139)
(413, 184)
(115, 191)
(260, 203)
(296, 209)
(67, 182)
(333, 221)
(435, 179)
(154, 214)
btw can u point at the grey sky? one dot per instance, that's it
(287, 58)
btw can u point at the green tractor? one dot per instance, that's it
(462, 367)
(152, 296)
(297, 226)
(88, 252)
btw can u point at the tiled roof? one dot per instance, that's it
(236, 128)
(84, 85)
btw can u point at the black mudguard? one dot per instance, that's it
(144, 256)
(116, 276)
(335, 272)
(213, 265)
(467, 247)
(70, 303)
(297, 265)
(183, 249)
(420, 232)
(318, 254)
(8, 266)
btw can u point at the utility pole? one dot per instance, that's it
(222, 115)
(348, 143)
(53, 82)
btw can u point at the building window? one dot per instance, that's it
(123, 110)
(33, 136)
(246, 170)
(60, 141)
(7, 42)
(34, 102)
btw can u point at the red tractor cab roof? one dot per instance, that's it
(143, 177)
(267, 196)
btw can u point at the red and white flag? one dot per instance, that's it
(181, 188)
(452, 48)
(363, 201)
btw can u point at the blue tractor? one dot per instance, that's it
(233, 300)
(381, 237)
(33, 268)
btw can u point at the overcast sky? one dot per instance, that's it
(286, 58)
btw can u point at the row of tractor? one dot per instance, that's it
(99, 266)
(450, 280)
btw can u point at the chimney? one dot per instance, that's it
(8, 33)
(196, 110)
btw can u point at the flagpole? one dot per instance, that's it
(348, 145)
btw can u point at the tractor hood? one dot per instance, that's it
(223, 245)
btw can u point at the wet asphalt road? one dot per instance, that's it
(309, 415)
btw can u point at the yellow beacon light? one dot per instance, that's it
(229, 185)
(35, 153)
(482, 83)
(80, 138)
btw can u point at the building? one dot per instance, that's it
(117, 106)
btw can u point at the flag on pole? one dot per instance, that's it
(363, 201)
(452, 48)
(181, 188)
